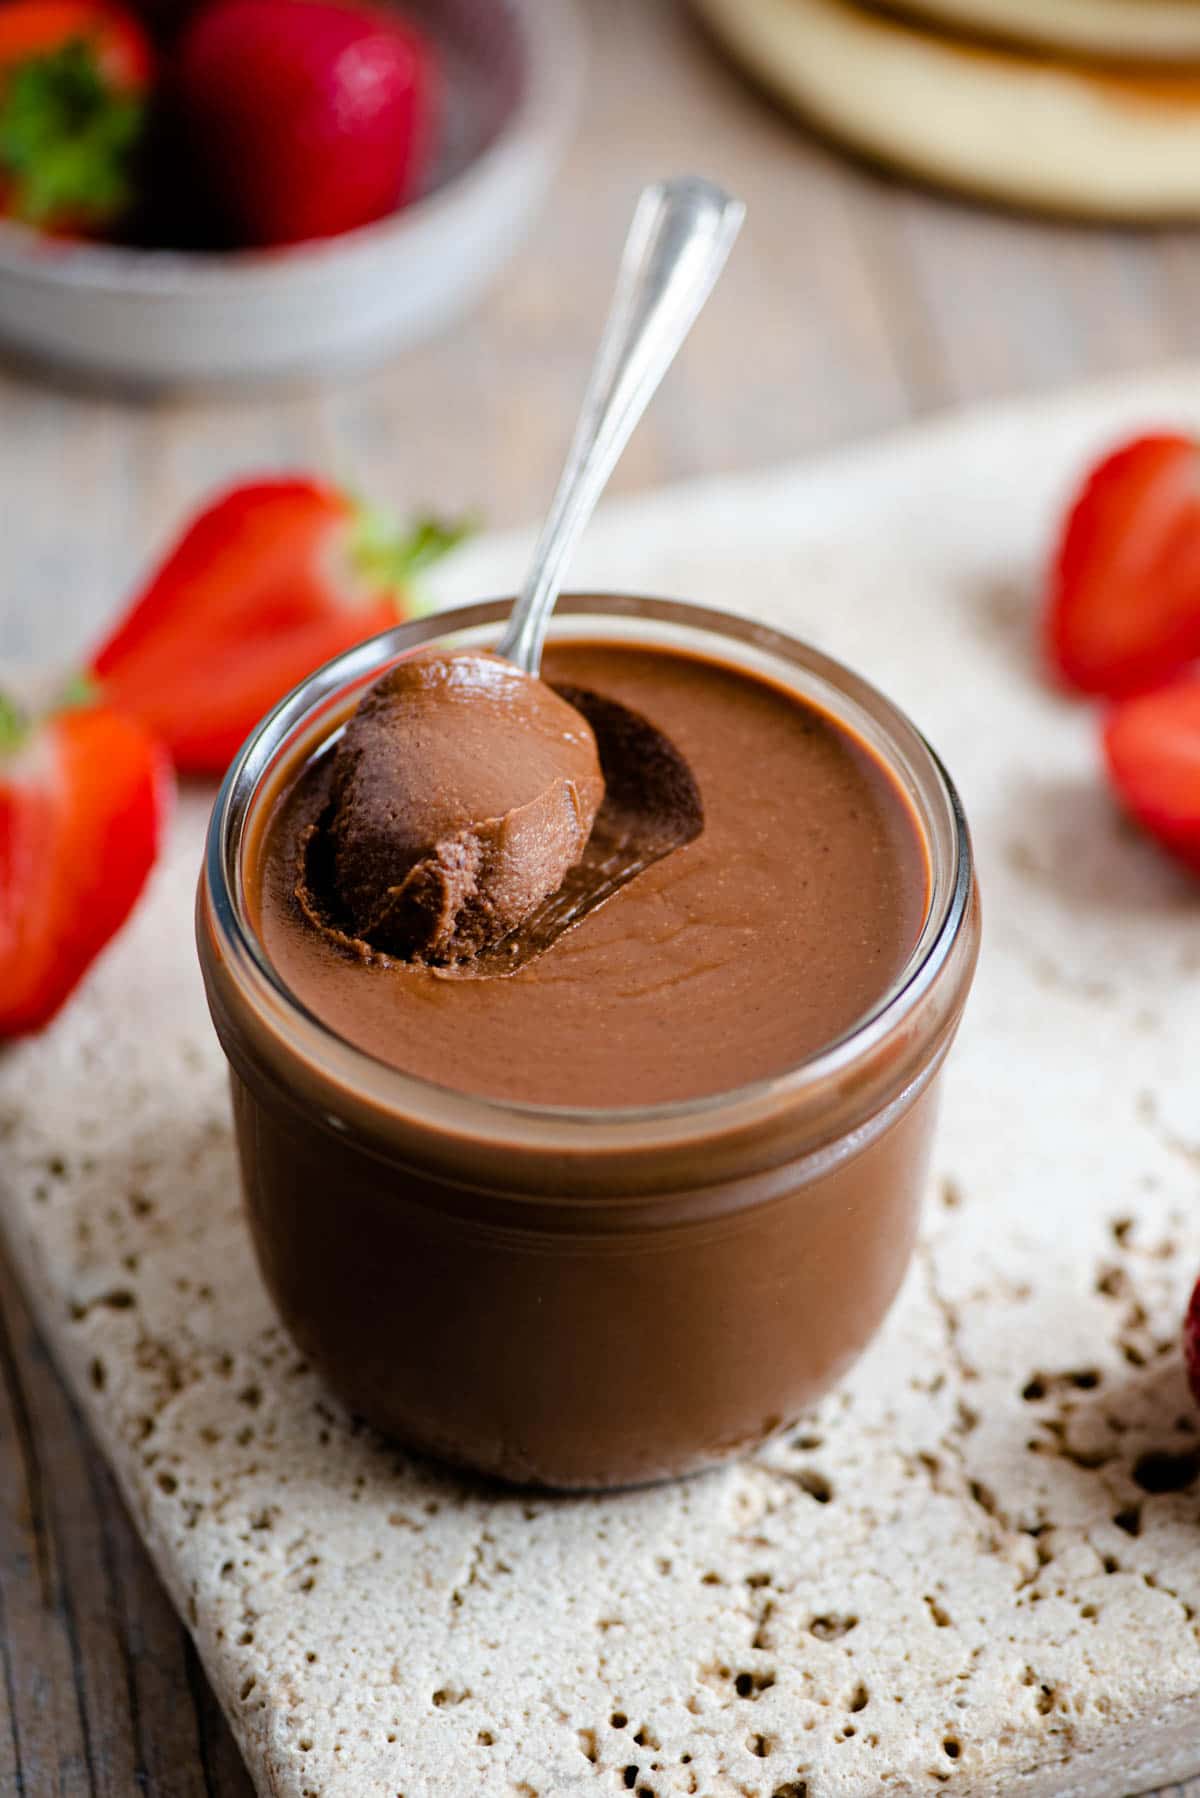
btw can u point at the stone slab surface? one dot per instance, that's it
(978, 1566)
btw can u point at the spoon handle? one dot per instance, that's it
(682, 233)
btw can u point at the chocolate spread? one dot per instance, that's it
(461, 793)
(763, 940)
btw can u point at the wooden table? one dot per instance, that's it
(852, 304)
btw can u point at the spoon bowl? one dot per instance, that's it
(652, 806)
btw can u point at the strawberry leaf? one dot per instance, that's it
(67, 139)
(78, 690)
(391, 556)
(14, 726)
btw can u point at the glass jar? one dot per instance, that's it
(583, 1298)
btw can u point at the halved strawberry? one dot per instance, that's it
(73, 81)
(270, 580)
(1124, 610)
(84, 794)
(1152, 744)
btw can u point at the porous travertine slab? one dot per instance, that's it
(979, 1565)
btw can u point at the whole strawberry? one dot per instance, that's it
(306, 117)
(1191, 1342)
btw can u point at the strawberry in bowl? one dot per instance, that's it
(294, 119)
(307, 117)
(321, 182)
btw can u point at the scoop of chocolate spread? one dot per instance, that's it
(461, 794)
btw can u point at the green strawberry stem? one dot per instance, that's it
(393, 557)
(67, 140)
(14, 726)
(77, 691)
(29, 695)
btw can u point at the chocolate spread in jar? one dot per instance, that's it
(461, 795)
(733, 959)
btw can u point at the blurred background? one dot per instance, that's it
(859, 298)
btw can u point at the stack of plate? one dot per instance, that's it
(1088, 107)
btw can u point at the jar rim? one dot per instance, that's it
(893, 736)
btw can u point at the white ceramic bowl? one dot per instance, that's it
(161, 316)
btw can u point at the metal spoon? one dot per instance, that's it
(680, 239)
(682, 234)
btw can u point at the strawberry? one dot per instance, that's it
(1191, 1343)
(1125, 585)
(308, 117)
(84, 795)
(1124, 609)
(74, 76)
(268, 582)
(1152, 746)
